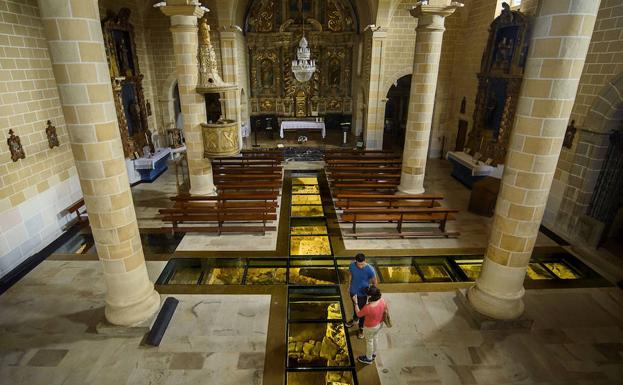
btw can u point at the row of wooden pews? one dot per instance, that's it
(364, 186)
(248, 189)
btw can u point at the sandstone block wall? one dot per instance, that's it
(33, 191)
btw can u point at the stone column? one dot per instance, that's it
(185, 45)
(428, 39)
(558, 47)
(229, 55)
(79, 61)
(375, 112)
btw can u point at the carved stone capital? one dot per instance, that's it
(183, 10)
(431, 14)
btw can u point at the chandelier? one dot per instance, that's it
(303, 67)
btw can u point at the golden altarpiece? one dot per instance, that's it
(127, 82)
(499, 81)
(274, 29)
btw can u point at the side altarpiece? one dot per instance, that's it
(499, 81)
(127, 82)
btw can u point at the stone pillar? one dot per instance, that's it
(79, 61)
(229, 55)
(428, 39)
(375, 113)
(185, 45)
(558, 47)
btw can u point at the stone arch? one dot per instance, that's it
(167, 99)
(606, 112)
(391, 80)
(604, 117)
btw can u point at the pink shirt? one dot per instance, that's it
(373, 314)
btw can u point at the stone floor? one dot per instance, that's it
(47, 335)
(577, 339)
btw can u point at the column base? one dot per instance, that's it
(411, 184)
(498, 291)
(202, 185)
(494, 307)
(133, 314)
(484, 322)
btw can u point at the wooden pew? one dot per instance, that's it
(354, 200)
(225, 187)
(367, 162)
(243, 170)
(221, 211)
(246, 177)
(400, 216)
(75, 209)
(370, 169)
(362, 177)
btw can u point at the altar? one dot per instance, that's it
(302, 125)
(467, 170)
(151, 166)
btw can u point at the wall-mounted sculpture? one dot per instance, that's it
(15, 146)
(50, 132)
(499, 81)
(127, 80)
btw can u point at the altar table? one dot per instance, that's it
(468, 171)
(301, 125)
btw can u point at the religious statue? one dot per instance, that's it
(334, 73)
(135, 116)
(266, 74)
(15, 146)
(50, 131)
(491, 107)
(124, 61)
(503, 54)
(569, 135)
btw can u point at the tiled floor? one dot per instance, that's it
(47, 335)
(577, 339)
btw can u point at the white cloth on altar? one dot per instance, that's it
(301, 124)
(147, 163)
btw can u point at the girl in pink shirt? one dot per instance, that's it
(373, 312)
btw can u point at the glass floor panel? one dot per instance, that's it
(185, 275)
(471, 269)
(537, 272)
(313, 276)
(306, 211)
(320, 378)
(399, 274)
(315, 310)
(305, 189)
(304, 180)
(266, 276)
(308, 226)
(435, 273)
(298, 199)
(561, 270)
(309, 245)
(223, 276)
(317, 345)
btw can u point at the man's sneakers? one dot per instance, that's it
(351, 323)
(366, 360)
(360, 334)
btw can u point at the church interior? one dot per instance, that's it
(185, 184)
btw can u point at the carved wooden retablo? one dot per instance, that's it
(499, 81)
(273, 30)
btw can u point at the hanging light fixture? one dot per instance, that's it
(303, 67)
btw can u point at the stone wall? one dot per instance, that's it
(35, 190)
(579, 166)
